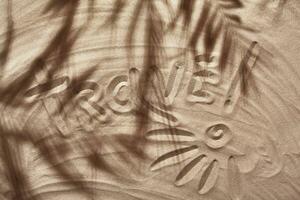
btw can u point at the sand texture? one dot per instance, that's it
(149, 100)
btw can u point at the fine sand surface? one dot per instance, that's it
(137, 99)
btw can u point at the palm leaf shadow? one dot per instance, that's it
(209, 24)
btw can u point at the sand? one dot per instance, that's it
(95, 106)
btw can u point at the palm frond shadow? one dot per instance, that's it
(4, 54)
(211, 22)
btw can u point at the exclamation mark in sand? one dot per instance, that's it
(235, 89)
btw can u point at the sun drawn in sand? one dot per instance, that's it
(206, 155)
